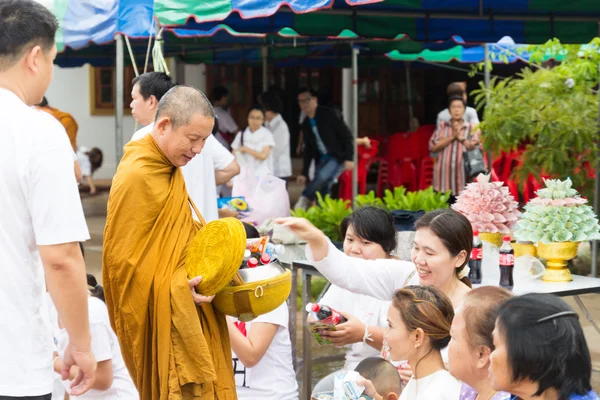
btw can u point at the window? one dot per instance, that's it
(102, 90)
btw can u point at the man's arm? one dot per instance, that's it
(78, 174)
(344, 136)
(223, 176)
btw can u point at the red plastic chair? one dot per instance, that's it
(365, 160)
(426, 173)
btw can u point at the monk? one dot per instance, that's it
(175, 345)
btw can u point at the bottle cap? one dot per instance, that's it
(506, 238)
(315, 307)
(265, 259)
(475, 232)
(247, 253)
(252, 262)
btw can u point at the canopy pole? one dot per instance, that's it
(487, 74)
(409, 94)
(119, 98)
(265, 68)
(355, 123)
(594, 243)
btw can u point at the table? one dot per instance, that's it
(580, 285)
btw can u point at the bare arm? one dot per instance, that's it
(223, 176)
(78, 174)
(91, 184)
(263, 155)
(250, 350)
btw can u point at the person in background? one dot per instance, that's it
(450, 140)
(227, 126)
(89, 161)
(282, 161)
(540, 350)
(458, 89)
(112, 379)
(41, 213)
(253, 147)
(328, 141)
(383, 376)
(419, 322)
(147, 91)
(65, 120)
(262, 353)
(471, 342)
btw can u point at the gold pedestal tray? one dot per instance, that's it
(522, 249)
(557, 256)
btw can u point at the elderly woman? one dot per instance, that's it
(450, 140)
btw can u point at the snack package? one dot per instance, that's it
(237, 204)
(345, 386)
(323, 324)
(257, 245)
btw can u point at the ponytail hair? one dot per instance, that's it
(96, 290)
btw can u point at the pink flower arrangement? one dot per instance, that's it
(489, 206)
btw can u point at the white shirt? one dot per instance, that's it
(226, 122)
(273, 377)
(439, 385)
(256, 141)
(84, 162)
(368, 310)
(105, 346)
(39, 205)
(199, 173)
(470, 116)
(282, 160)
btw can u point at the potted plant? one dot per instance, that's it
(327, 215)
(558, 219)
(489, 207)
(400, 199)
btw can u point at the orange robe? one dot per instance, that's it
(172, 348)
(67, 121)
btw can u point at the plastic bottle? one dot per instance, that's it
(322, 312)
(476, 259)
(265, 259)
(507, 263)
(274, 250)
(252, 262)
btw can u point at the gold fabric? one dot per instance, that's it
(172, 348)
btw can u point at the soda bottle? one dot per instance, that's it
(325, 312)
(252, 262)
(265, 259)
(475, 259)
(507, 263)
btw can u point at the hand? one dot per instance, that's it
(348, 165)
(227, 212)
(366, 142)
(369, 388)
(92, 191)
(301, 228)
(198, 298)
(351, 331)
(301, 179)
(86, 363)
(243, 149)
(405, 372)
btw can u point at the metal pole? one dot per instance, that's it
(265, 70)
(355, 123)
(119, 98)
(594, 243)
(487, 73)
(408, 94)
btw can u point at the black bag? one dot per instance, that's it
(474, 163)
(405, 220)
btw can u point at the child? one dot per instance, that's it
(253, 146)
(89, 162)
(262, 353)
(112, 378)
(383, 375)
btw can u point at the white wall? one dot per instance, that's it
(70, 92)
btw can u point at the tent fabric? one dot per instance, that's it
(527, 21)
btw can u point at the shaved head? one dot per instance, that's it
(382, 374)
(181, 103)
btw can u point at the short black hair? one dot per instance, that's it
(24, 23)
(373, 224)
(307, 89)
(96, 290)
(452, 99)
(270, 101)
(153, 84)
(96, 157)
(219, 92)
(382, 374)
(44, 102)
(251, 231)
(552, 353)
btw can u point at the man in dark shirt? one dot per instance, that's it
(328, 141)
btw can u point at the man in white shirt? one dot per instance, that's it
(147, 91)
(227, 126)
(41, 218)
(458, 89)
(282, 159)
(215, 165)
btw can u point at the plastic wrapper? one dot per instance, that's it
(237, 204)
(527, 268)
(345, 386)
(319, 325)
(257, 245)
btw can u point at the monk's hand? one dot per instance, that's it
(198, 298)
(86, 363)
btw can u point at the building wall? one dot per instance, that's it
(70, 92)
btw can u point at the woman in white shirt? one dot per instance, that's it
(112, 378)
(282, 161)
(419, 323)
(253, 147)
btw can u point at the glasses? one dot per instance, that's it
(304, 100)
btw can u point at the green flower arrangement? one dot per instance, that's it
(558, 214)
